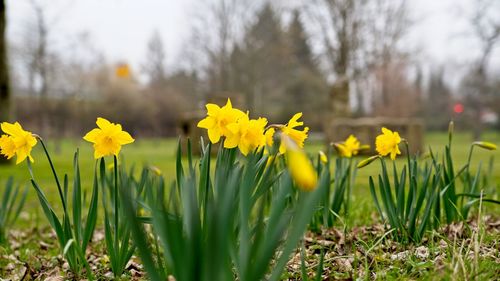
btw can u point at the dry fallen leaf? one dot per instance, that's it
(422, 252)
(54, 278)
(400, 256)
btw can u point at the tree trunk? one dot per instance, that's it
(4, 71)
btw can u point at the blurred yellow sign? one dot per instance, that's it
(122, 70)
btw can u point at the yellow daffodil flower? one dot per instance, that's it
(299, 165)
(322, 157)
(349, 147)
(387, 143)
(269, 134)
(7, 146)
(155, 170)
(367, 161)
(17, 141)
(108, 138)
(485, 145)
(246, 134)
(218, 118)
(296, 135)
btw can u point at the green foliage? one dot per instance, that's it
(432, 192)
(11, 205)
(72, 234)
(116, 226)
(409, 208)
(226, 224)
(456, 205)
(338, 194)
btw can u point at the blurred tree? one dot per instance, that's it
(36, 54)
(485, 24)
(265, 58)
(216, 30)
(397, 95)
(274, 68)
(437, 107)
(340, 24)
(155, 66)
(307, 86)
(187, 84)
(4, 67)
(357, 37)
(4, 71)
(299, 43)
(386, 23)
(167, 95)
(39, 61)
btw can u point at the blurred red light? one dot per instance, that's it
(458, 108)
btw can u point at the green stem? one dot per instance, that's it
(467, 174)
(408, 156)
(116, 201)
(55, 176)
(469, 158)
(81, 253)
(348, 199)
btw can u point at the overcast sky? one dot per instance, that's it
(121, 28)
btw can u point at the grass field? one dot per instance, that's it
(161, 154)
(387, 260)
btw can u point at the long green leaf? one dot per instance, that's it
(77, 199)
(92, 214)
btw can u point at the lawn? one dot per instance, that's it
(161, 154)
(364, 220)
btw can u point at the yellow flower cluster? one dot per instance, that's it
(16, 141)
(245, 133)
(248, 135)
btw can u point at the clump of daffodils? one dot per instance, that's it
(236, 129)
(235, 126)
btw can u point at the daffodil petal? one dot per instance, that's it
(206, 123)
(92, 135)
(231, 142)
(102, 123)
(12, 129)
(124, 138)
(212, 109)
(21, 155)
(294, 121)
(214, 135)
